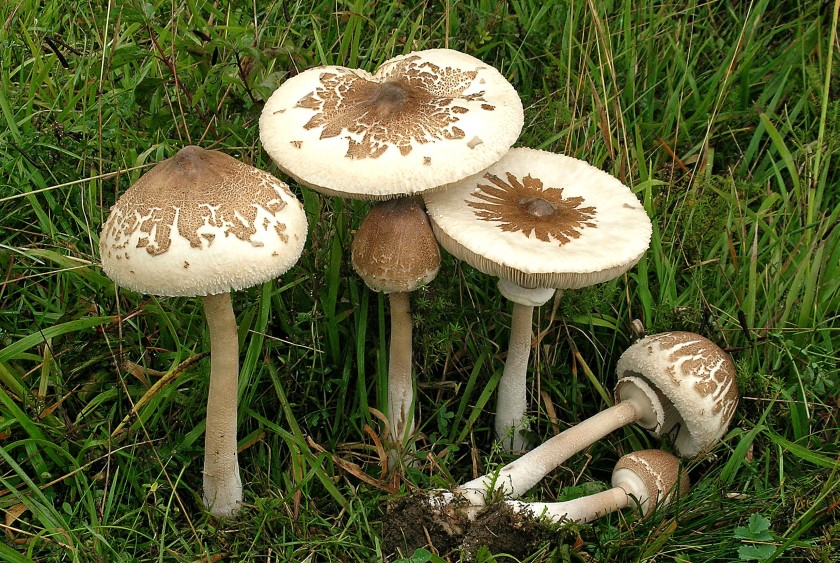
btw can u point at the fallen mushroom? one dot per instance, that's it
(644, 479)
(538, 221)
(203, 224)
(420, 121)
(673, 383)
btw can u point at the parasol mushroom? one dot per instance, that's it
(673, 383)
(203, 224)
(538, 221)
(395, 252)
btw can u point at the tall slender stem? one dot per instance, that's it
(583, 509)
(400, 380)
(511, 401)
(222, 484)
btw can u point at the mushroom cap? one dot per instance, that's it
(422, 120)
(540, 219)
(202, 223)
(394, 249)
(651, 476)
(695, 381)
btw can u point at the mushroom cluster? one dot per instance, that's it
(428, 137)
(421, 121)
(675, 383)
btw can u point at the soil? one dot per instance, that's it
(420, 520)
(425, 521)
(501, 530)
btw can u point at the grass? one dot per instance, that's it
(722, 116)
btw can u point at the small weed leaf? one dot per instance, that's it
(756, 530)
(755, 552)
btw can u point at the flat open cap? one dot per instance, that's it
(422, 120)
(202, 223)
(541, 220)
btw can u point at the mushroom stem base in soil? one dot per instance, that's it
(643, 479)
(400, 379)
(511, 401)
(222, 484)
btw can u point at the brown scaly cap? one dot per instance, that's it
(202, 223)
(659, 471)
(422, 120)
(394, 249)
(695, 379)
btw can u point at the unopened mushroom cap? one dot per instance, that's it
(541, 219)
(202, 223)
(695, 379)
(651, 476)
(422, 120)
(394, 249)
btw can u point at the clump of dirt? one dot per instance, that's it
(502, 530)
(424, 520)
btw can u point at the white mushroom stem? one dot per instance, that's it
(584, 509)
(514, 479)
(222, 484)
(511, 401)
(400, 380)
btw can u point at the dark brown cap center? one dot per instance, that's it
(392, 97)
(537, 207)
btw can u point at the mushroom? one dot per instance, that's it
(538, 221)
(395, 252)
(422, 120)
(645, 479)
(673, 383)
(202, 224)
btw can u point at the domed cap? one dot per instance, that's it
(651, 476)
(394, 249)
(202, 223)
(422, 120)
(695, 380)
(540, 219)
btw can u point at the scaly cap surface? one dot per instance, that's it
(422, 120)
(651, 476)
(696, 378)
(202, 223)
